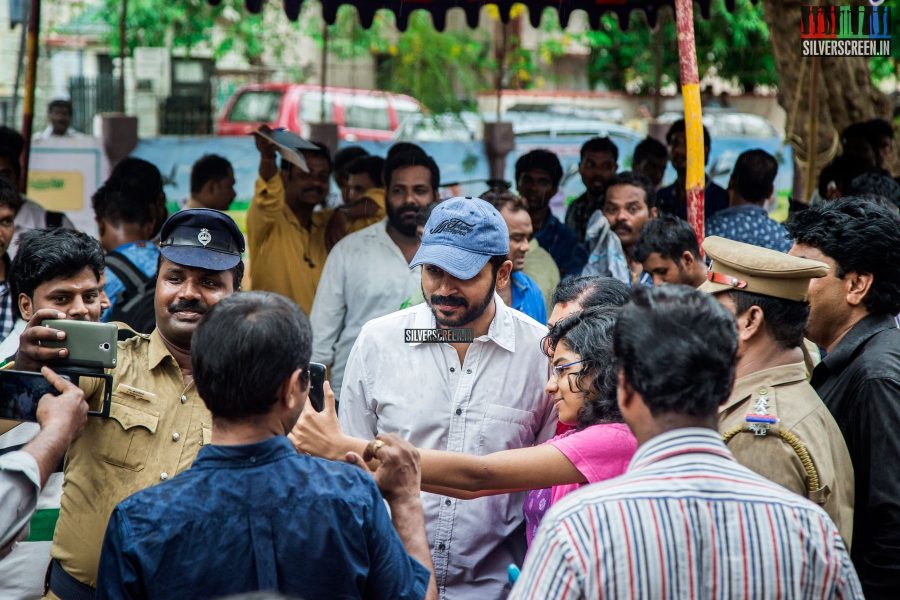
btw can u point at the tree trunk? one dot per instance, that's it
(845, 90)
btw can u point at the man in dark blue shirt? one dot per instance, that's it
(672, 199)
(747, 220)
(251, 513)
(538, 174)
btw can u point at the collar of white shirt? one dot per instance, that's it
(502, 330)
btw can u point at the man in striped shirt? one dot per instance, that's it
(686, 520)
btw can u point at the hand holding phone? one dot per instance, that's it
(316, 386)
(90, 345)
(318, 432)
(33, 353)
(64, 411)
(36, 397)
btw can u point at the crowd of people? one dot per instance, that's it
(630, 413)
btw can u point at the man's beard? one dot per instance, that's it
(395, 218)
(470, 315)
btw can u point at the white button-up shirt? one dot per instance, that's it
(365, 276)
(494, 401)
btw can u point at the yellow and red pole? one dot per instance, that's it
(695, 178)
(31, 52)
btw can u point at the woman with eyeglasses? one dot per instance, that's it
(582, 385)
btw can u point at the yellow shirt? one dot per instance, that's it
(376, 195)
(155, 428)
(287, 258)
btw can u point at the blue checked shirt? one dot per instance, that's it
(258, 517)
(750, 224)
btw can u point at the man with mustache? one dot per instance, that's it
(367, 273)
(477, 397)
(286, 236)
(630, 203)
(157, 421)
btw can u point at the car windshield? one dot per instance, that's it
(256, 107)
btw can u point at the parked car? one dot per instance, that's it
(444, 127)
(728, 123)
(361, 115)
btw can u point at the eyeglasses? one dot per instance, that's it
(557, 371)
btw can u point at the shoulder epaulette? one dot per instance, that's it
(761, 422)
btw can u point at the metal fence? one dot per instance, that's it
(91, 96)
(186, 115)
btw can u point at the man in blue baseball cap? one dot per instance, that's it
(157, 421)
(478, 387)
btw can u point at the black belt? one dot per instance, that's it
(67, 587)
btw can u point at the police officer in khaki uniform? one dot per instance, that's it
(773, 422)
(157, 422)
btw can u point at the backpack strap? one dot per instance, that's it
(132, 277)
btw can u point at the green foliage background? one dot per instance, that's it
(446, 69)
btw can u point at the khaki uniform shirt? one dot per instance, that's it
(287, 258)
(801, 412)
(155, 428)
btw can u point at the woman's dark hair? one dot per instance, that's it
(589, 333)
(859, 236)
(239, 331)
(46, 254)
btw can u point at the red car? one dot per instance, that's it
(361, 115)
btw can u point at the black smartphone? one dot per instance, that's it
(20, 392)
(317, 386)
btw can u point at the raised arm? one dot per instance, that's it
(267, 166)
(449, 473)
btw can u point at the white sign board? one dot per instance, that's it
(63, 175)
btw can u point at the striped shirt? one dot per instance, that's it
(686, 521)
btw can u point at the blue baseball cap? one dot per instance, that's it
(461, 235)
(202, 238)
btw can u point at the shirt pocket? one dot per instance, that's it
(505, 427)
(127, 435)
